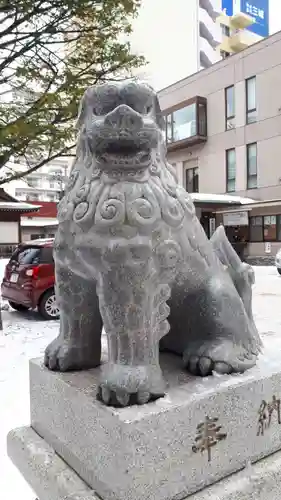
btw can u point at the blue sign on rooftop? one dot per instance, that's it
(257, 9)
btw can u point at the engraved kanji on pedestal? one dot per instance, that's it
(208, 435)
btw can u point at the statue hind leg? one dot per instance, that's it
(211, 321)
(78, 345)
(211, 330)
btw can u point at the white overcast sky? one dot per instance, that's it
(274, 15)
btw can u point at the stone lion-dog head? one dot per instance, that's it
(121, 178)
(121, 125)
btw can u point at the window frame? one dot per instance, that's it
(250, 110)
(225, 30)
(230, 117)
(200, 103)
(263, 239)
(227, 178)
(193, 170)
(175, 121)
(248, 146)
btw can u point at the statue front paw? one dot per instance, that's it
(63, 355)
(124, 385)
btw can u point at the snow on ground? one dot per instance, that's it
(25, 336)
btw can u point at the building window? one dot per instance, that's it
(230, 170)
(169, 129)
(187, 122)
(37, 236)
(32, 182)
(252, 171)
(224, 54)
(279, 227)
(192, 180)
(21, 195)
(265, 228)
(202, 122)
(225, 30)
(229, 107)
(251, 105)
(184, 123)
(256, 228)
(32, 197)
(269, 228)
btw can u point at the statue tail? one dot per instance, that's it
(241, 273)
(225, 250)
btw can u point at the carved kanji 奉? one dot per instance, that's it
(131, 255)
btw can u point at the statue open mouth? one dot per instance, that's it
(124, 153)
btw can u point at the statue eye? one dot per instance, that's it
(148, 109)
(97, 111)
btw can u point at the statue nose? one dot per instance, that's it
(124, 118)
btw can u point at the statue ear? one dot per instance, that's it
(82, 111)
(158, 113)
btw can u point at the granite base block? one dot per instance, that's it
(201, 432)
(50, 476)
(47, 474)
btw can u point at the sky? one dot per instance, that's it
(274, 15)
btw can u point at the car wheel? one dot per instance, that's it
(279, 271)
(18, 307)
(47, 307)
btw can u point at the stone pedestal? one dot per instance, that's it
(203, 431)
(53, 479)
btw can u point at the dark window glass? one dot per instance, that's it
(46, 256)
(224, 54)
(230, 170)
(252, 172)
(192, 180)
(251, 104)
(230, 107)
(196, 180)
(269, 228)
(256, 228)
(225, 30)
(279, 227)
(202, 120)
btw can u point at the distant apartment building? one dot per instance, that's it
(223, 135)
(180, 37)
(45, 184)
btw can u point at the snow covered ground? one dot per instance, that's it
(25, 336)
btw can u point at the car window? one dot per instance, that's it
(26, 255)
(46, 256)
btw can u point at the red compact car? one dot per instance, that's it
(29, 279)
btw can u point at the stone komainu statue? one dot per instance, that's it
(131, 255)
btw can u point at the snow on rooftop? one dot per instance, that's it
(220, 198)
(38, 222)
(10, 205)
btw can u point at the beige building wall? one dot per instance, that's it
(262, 60)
